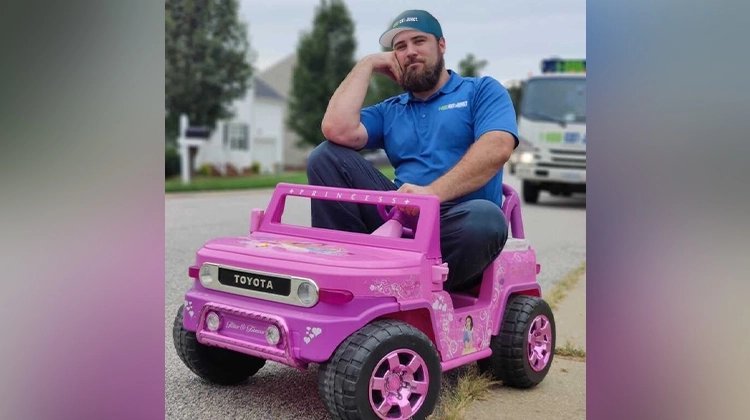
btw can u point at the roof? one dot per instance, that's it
(263, 90)
(279, 75)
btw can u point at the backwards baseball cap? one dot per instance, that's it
(418, 20)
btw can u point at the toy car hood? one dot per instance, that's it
(312, 251)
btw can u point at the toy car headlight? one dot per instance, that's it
(273, 335)
(307, 293)
(527, 157)
(213, 321)
(205, 275)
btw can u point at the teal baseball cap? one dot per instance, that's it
(417, 20)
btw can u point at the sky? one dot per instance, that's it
(512, 35)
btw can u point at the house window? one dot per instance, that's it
(237, 136)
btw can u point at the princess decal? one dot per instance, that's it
(468, 336)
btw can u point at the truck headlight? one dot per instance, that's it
(527, 157)
(307, 293)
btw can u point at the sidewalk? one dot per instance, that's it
(562, 394)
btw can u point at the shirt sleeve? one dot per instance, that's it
(493, 109)
(372, 118)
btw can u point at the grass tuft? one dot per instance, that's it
(562, 287)
(470, 386)
(571, 351)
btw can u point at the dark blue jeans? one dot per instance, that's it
(472, 233)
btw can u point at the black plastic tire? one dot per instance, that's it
(530, 192)
(344, 381)
(214, 364)
(509, 362)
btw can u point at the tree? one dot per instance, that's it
(208, 63)
(470, 66)
(325, 56)
(516, 93)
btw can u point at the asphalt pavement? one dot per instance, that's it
(556, 229)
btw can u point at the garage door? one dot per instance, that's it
(264, 152)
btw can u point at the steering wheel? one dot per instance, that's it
(385, 214)
(408, 222)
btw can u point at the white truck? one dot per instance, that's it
(551, 155)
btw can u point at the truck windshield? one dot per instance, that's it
(561, 100)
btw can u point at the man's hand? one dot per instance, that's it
(387, 64)
(413, 189)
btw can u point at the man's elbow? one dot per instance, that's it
(338, 134)
(503, 152)
(328, 129)
(332, 131)
(504, 157)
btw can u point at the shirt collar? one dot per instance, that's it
(452, 84)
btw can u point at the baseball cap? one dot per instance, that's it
(411, 19)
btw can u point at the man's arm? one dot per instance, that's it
(480, 163)
(341, 122)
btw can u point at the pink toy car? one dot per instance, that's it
(370, 309)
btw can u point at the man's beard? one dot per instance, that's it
(414, 80)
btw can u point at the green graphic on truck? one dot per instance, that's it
(562, 137)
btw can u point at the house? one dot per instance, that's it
(279, 78)
(252, 138)
(267, 134)
(257, 135)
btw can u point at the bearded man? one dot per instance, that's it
(447, 136)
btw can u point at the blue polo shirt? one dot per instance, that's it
(425, 139)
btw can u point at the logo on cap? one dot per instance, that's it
(408, 19)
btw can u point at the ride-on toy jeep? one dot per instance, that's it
(370, 309)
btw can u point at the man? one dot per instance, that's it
(447, 136)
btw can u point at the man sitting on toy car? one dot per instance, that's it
(447, 135)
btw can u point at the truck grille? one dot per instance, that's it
(572, 161)
(568, 152)
(557, 165)
(564, 159)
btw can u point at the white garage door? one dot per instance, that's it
(264, 152)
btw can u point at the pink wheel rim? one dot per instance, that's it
(399, 385)
(540, 343)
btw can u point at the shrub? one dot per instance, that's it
(207, 169)
(171, 161)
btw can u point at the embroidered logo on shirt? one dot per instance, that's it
(454, 105)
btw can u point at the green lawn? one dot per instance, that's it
(200, 183)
